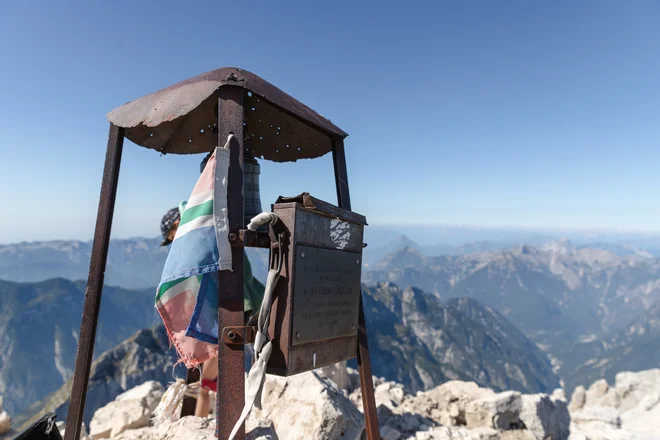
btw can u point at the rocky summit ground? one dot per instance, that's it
(309, 406)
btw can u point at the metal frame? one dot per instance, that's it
(231, 384)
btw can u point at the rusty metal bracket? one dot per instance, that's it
(247, 238)
(238, 335)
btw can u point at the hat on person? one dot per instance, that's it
(167, 222)
(204, 162)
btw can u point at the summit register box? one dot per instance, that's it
(314, 317)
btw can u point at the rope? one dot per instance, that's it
(262, 343)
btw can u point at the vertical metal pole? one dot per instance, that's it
(231, 361)
(364, 362)
(189, 403)
(92, 303)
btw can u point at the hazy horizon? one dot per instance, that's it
(481, 115)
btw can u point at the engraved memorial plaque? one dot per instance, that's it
(326, 294)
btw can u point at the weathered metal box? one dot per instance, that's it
(314, 317)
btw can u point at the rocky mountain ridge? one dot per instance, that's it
(558, 294)
(456, 339)
(39, 324)
(470, 342)
(309, 406)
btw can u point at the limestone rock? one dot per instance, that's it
(149, 394)
(597, 390)
(599, 414)
(136, 434)
(501, 411)
(188, 428)
(390, 394)
(446, 403)
(5, 420)
(558, 394)
(309, 406)
(445, 433)
(600, 431)
(578, 399)
(131, 410)
(545, 418)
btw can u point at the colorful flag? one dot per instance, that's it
(187, 298)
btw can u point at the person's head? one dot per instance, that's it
(169, 225)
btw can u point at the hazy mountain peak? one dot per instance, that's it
(561, 247)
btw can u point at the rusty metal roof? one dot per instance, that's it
(180, 119)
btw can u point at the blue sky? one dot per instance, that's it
(483, 113)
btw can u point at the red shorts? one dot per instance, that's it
(210, 384)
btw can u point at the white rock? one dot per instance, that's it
(131, 410)
(500, 411)
(5, 420)
(445, 433)
(633, 387)
(446, 403)
(186, 428)
(601, 414)
(578, 399)
(599, 431)
(544, 418)
(309, 406)
(149, 393)
(597, 390)
(136, 434)
(5, 423)
(558, 394)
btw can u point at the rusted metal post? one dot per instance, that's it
(189, 403)
(231, 361)
(92, 303)
(364, 362)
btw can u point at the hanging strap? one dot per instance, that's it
(262, 342)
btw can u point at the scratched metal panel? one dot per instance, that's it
(326, 293)
(317, 230)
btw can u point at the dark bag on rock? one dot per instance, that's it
(43, 429)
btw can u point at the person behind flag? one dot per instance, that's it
(253, 295)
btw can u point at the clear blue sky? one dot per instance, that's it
(477, 112)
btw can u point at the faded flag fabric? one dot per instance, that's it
(186, 298)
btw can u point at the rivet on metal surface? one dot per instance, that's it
(231, 335)
(353, 327)
(357, 261)
(302, 255)
(298, 335)
(232, 236)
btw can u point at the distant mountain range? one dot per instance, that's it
(133, 263)
(420, 341)
(137, 263)
(557, 294)
(144, 356)
(414, 338)
(577, 303)
(39, 325)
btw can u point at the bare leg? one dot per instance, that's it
(210, 372)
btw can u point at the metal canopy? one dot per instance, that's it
(182, 118)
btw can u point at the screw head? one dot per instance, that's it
(298, 335)
(232, 236)
(302, 255)
(353, 327)
(231, 335)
